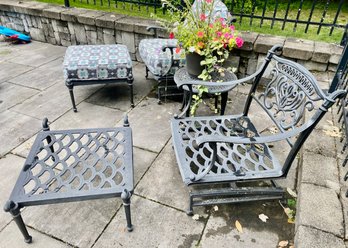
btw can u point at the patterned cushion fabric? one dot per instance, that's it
(158, 62)
(97, 62)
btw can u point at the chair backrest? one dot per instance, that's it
(220, 10)
(291, 98)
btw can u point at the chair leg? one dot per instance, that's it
(71, 88)
(224, 97)
(16, 214)
(189, 212)
(130, 84)
(126, 195)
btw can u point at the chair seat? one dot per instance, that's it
(158, 62)
(97, 62)
(235, 162)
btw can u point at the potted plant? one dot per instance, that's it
(204, 30)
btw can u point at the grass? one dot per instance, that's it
(244, 25)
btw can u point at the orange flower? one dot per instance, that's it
(200, 34)
(200, 44)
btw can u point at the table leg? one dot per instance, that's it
(224, 97)
(16, 214)
(126, 195)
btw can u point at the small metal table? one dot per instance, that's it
(75, 165)
(182, 75)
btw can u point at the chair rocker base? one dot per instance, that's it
(233, 194)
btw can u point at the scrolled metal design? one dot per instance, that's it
(288, 95)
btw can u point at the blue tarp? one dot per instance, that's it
(14, 34)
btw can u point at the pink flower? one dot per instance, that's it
(208, 1)
(232, 28)
(171, 35)
(200, 34)
(218, 34)
(202, 17)
(239, 42)
(227, 35)
(211, 25)
(177, 50)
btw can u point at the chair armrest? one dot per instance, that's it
(171, 47)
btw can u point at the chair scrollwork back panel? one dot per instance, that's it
(291, 92)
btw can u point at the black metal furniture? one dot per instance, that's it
(97, 64)
(182, 76)
(225, 158)
(75, 165)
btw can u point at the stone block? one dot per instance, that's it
(107, 20)
(37, 34)
(322, 52)
(109, 31)
(19, 27)
(80, 33)
(91, 37)
(123, 24)
(267, 73)
(109, 39)
(64, 36)
(89, 17)
(53, 12)
(65, 43)
(298, 49)
(327, 217)
(63, 28)
(138, 57)
(56, 36)
(336, 53)
(313, 66)
(310, 237)
(232, 61)
(128, 40)
(100, 36)
(265, 42)
(248, 54)
(252, 65)
(119, 37)
(73, 39)
(71, 14)
(52, 40)
(249, 41)
(90, 28)
(332, 67)
(71, 28)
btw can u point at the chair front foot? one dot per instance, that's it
(126, 195)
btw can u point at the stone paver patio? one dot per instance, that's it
(32, 87)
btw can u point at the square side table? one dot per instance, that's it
(75, 165)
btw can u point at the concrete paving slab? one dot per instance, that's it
(151, 122)
(11, 237)
(88, 116)
(77, 223)
(42, 77)
(54, 101)
(311, 237)
(10, 167)
(11, 94)
(162, 183)
(36, 54)
(221, 229)
(320, 208)
(117, 95)
(15, 129)
(155, 225)
(320, 143)
(320, 170)
(10, 70)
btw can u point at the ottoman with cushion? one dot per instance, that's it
(97, 64)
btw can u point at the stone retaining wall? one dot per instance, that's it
(70, 26)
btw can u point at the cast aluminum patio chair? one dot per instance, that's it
(216, 155)
(163, 60)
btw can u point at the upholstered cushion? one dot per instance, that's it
(158, 62)
(97, 62)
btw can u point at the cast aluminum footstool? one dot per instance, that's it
(75, 165)
(97, 64)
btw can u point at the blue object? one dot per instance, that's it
(14, 34)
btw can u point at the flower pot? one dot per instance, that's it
(193, 64)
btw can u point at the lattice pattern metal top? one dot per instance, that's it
(233, 161)
(76, 164)
(182, 75)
